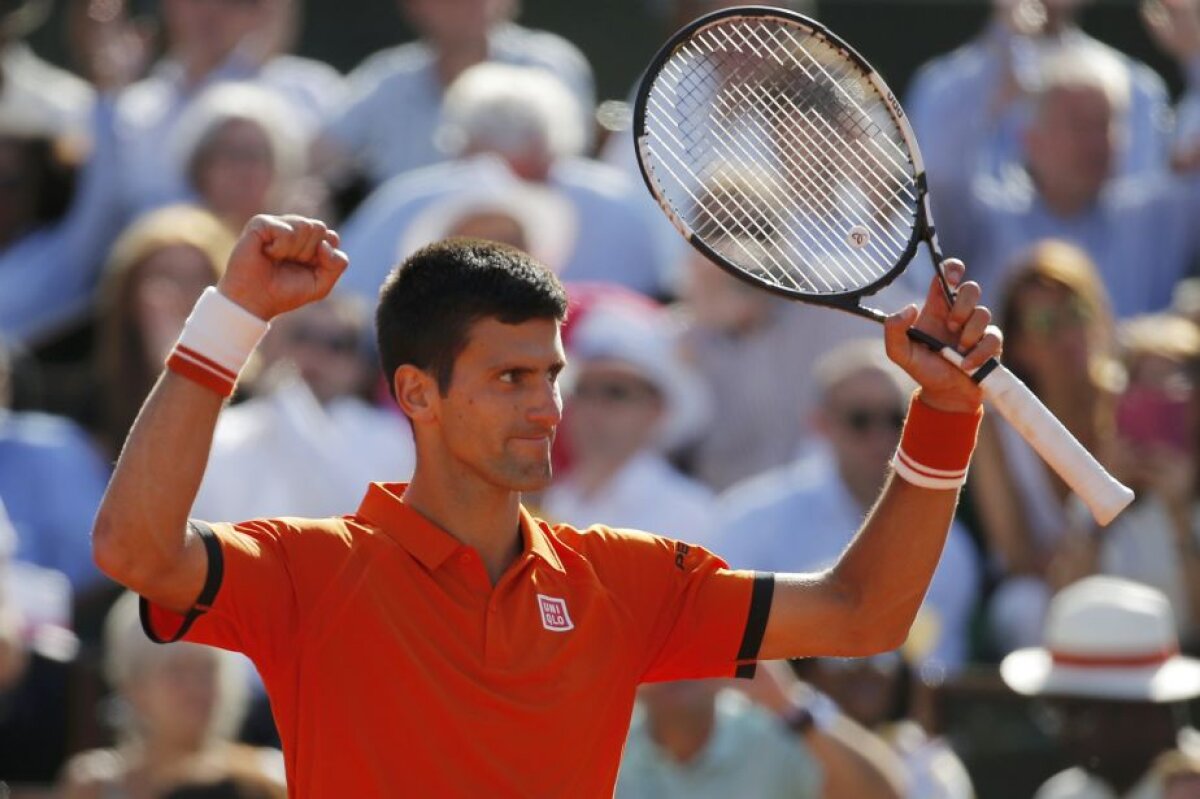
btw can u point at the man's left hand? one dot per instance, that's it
(966, 327)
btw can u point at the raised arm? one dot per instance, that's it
(141, 538)
(867, 601)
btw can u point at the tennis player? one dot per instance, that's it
(441, 641)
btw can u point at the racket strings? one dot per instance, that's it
(776, 150)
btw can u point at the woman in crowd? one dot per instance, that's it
(155, 273)
(1059, 341)
(178, 708)
(242, 157)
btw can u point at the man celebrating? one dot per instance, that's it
(441, 640)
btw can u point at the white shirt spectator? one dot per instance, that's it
(149, 111)
(614, 243)
(389, 123)
(283, 454)
(53, 95)
(646, 494)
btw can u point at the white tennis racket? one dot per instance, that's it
(780, 154)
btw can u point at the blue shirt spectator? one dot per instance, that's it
(51, 481)
(390, 123)
(748, 753)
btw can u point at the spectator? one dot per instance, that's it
(46, 91)
(1139, 230)
(1155, 542)
(1059, 341)
(307, 443)
(736, 337)
(51, 481)
(240, 154)
(56, 217)
(1114, 685)
(630, 400)
(861, 412)
(698, 738)
(970, 107)
(179, 706)
(155, 272)
(36, 648)
(882, 694)
(618, 149)
(510, 124)
(209, 43)
(413, 79)
(532, 218)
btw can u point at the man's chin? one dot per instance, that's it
(530, 478)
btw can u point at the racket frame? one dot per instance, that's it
(923, 229)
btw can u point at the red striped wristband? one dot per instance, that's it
(216, 342)
(936, 447)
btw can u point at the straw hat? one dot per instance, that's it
(1106, 638)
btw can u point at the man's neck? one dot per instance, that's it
(481, 516)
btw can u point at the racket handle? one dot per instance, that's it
(1104, 495)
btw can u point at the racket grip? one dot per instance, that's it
(1104, 495)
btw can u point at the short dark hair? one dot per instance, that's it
(429, 302)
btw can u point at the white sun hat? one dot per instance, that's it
(545, 216)
(646, 339)
(1106, 638)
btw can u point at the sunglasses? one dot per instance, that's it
(1047, 322)
(864, 420)
(619, 392)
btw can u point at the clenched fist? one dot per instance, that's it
(281, 263)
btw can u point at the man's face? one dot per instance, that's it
(861, 417)
(1072, 141)
(501, 412)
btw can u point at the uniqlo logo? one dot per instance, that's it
(554, 614)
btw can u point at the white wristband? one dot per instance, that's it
(216, 342)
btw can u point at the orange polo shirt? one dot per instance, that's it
(395, 668)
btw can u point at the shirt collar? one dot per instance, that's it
(384, 507)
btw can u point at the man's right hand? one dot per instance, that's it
(281, 263)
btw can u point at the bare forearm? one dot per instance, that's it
(867, 602)
(892, 559)
(141, 526)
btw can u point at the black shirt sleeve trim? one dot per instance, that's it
(756, 622)
(208, 594)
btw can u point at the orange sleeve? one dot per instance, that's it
(695, 617)
(255, 595)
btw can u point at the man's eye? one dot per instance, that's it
(508, 377)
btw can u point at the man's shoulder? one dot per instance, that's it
(302, 533)
(397, 63)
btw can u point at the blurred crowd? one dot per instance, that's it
(1062, 171)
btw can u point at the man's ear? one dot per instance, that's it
(417, 393)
